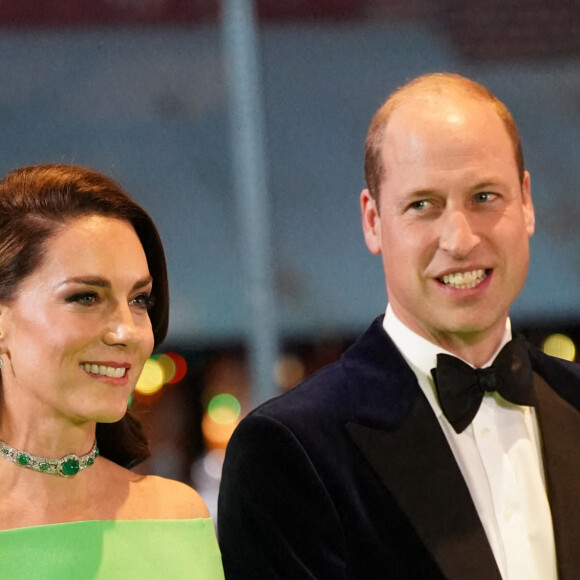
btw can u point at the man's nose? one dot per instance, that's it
(457, 237)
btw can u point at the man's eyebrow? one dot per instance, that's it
(486, 183)
(421, 193)
(411, 196)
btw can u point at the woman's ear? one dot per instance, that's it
(4, 314)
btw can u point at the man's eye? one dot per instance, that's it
(144, 301)
(484, 197)
(84, 298)
(420, 205)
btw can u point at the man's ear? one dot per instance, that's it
(371, 222)
(529, 215)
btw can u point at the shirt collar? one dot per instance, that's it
(420, 353)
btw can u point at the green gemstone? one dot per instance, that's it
(4, 450)
(90, 461)
(70, 467)
(97, 453)
(43, 466)
(23, 459)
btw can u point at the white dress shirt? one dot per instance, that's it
(500, 459)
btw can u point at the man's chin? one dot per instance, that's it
(469, 331)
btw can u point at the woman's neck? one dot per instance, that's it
(48, 437)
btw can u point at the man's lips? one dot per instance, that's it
(464, 280)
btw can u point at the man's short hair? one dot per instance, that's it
(421, 87)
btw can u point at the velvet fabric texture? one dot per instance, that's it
(349, 476)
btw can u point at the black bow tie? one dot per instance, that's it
(460, 388)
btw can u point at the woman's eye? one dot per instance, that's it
(84, 298)
(144, 301)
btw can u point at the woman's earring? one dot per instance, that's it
(1, 363)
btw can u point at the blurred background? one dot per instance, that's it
(240, 127)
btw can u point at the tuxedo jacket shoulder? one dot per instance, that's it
(348, 475)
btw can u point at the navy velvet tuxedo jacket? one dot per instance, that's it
(350, 476)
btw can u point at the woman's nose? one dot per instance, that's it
(121, 328)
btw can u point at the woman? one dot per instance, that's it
(83, 302)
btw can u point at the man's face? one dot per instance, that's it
(453, 221)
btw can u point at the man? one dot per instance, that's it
(377, 467)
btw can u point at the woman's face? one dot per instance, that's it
(77, 334)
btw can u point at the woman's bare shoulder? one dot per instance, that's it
(175, 496)
(154, 497)
(166, 498)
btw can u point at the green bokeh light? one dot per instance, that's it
(224, 409)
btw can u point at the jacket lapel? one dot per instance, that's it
(418, 468)
(399, 436)
(559, 424)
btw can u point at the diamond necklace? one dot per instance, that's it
(66, 466)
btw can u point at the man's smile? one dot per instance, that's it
(464, 280)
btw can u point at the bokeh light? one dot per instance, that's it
(224, 409)
(151, 379)
(216, 435)
(180, 367)
(289, 371)
(213, 462)
(222, 417)
(161, 369)
(560, 345)
(167, 365)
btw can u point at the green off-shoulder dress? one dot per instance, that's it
(119, 549)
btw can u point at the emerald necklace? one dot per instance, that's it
(66, 466)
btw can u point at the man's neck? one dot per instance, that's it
(477, 349)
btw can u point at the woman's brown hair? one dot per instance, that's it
(35, 203)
